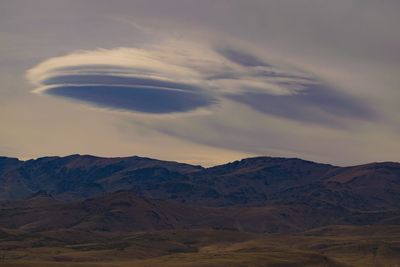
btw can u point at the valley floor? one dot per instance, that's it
(327, 246)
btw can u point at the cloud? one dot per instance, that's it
(146, 95)
(180, 77)
(241, 58)
(106, 79)
(145, 99)
(127, 79)
(316, 103)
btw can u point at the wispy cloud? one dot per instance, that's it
(316, 103)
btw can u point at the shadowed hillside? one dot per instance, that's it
(253, 181)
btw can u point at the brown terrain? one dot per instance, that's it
(91, 211)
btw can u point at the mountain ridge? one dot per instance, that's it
(16, 159)
(250, 181)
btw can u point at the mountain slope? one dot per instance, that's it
(79, 177)
(124, 211)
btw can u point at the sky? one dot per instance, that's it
(202, 82)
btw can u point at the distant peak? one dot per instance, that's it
(9, 159)
(269, 159)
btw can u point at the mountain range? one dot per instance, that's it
(96, 196)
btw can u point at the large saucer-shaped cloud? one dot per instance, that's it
(121, 79)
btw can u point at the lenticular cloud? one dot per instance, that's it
(173, 77)
(179, 77)
(121, 79)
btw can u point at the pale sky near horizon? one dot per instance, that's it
(203, 82)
